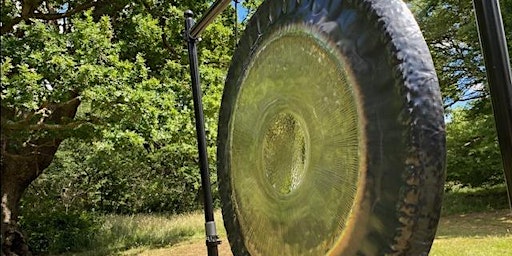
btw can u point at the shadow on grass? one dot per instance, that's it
(482, 224)
(104, 249)
(463, 200)
(475, 212)
(120, 233)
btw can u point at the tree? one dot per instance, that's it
(111, 73)
(475, 156)
(449, 27)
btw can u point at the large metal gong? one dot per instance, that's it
(331, 133)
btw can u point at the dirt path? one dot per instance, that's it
(190, 248)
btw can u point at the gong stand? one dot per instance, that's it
(494, 48)
(192, 32)
(497, 66)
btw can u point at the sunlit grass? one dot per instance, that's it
(145, 230)
(484, 233)
(136, 233)
(474, 222)
(473, 246)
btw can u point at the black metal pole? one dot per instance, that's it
(212, 239)
(497, 64)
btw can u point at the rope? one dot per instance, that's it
(236, 22)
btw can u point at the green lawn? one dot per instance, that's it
(483, 233)
(474, 222)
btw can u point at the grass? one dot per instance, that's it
(121, 234)
(482, 233)
(473, 222)
(489, 246)
(149, 230)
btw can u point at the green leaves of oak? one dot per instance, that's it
(131, 146)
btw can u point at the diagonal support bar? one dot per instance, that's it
(215, 9)
(497, 64)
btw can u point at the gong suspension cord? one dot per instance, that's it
(235, 23)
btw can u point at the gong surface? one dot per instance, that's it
(295, 146)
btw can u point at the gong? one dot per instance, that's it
(331, 132)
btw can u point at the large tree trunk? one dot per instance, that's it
(16, 175)
(17, 172)
(22, 161)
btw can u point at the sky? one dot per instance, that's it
(241, 11)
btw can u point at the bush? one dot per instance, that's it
(57, 231)
(460, 199)
(54, 219)
(82, 176)
(473, 154)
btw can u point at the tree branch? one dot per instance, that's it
(18, 125)
(55, 127)
(474, 97)
(42, 126)
(29, 11)
(54, 16)
(167, 46)
(161, 23)
(9, 26)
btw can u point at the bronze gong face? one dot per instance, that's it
(296, 147)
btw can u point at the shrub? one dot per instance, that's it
(57, 231)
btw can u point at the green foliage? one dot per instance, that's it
(53, 220)
(474, 156)
(47, 68)
(54, 229)
(251, 6)
(449, 27)
(131, 146)
(462, 199)
(108, 178)
(127, 65)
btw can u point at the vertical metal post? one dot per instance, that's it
(212, 239)
(497, 64)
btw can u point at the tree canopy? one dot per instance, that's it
(109, 79)
(450, 29)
